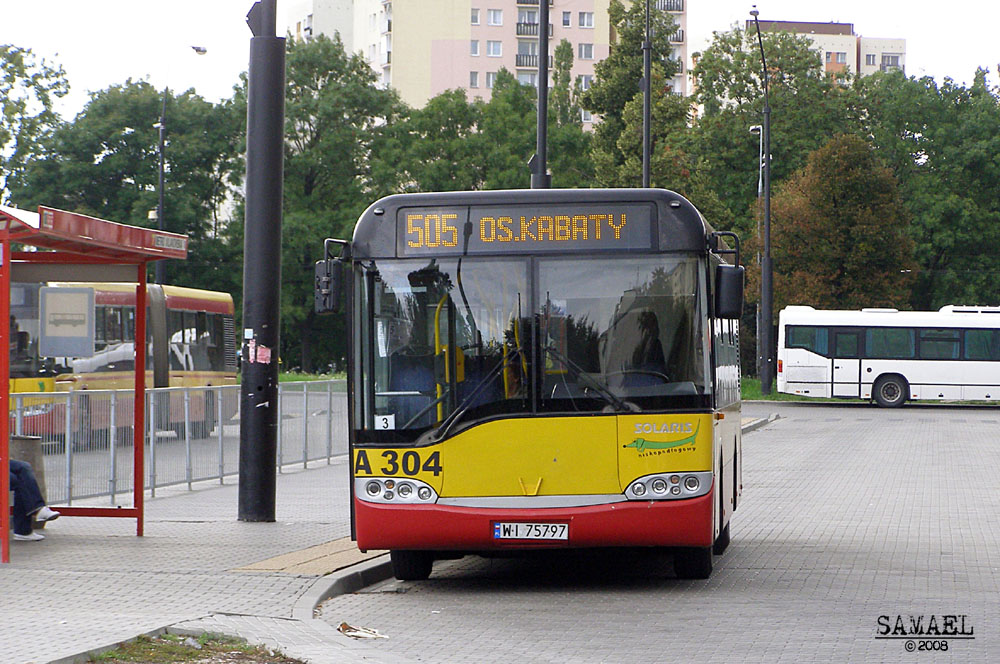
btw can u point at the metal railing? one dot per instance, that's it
(670, 5)
(193, 435)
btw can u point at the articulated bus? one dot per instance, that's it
(191, 342)
(540, 369)
(890, 356)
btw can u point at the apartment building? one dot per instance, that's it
(843, 51)
(424, 47)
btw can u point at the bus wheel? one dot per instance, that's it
(890, 391)
(693, 563)
(721, 542)
(411, 565)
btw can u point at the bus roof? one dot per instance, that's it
(948, 316)
(506, 222)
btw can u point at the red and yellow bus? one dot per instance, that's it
(540, 369)
(191, 342)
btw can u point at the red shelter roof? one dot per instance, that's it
(97, 238)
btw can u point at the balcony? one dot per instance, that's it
(386, 26)
(677, 37)
(530, 29)
(531, 2)
(385, 58)
(670, 5)
(528, 61)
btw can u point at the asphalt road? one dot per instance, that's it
(856, 523)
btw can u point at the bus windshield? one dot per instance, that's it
(628, 326)
(472, 338)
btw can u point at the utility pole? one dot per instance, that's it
(540, 178)
(647, 47)
(262, 266)
(766, 270)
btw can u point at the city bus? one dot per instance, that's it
(191, 342)
(540, 369)
(890, 356)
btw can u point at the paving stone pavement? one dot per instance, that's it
(849, 513)
(92, 583)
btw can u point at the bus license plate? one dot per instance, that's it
(530, 531)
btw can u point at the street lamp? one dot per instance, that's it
(766, 272)
(159, 269)
(757, 130)
(647, 47)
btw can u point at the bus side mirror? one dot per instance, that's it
(729, 291)
(329, 285)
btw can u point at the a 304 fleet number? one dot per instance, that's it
(394, 462)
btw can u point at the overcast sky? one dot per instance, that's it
(103, 42)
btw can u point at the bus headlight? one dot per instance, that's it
(667, 486)
(395, 491)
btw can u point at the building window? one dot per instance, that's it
(841, 58)
(474, 47)
(473, 79)
(494, 49)
(525, 47)
(528, 78)
(586, 19)
(870, 59)
(491, 78)
(585, 51)
(890, 61)
(586, 116)
(567, 18)
(475, 17)
(829, 57)
(527, 16)
(495, 17)
(585, 81)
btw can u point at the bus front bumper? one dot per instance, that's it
(633, 523)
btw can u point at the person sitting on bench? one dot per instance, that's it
(28, 502)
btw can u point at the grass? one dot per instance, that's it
(751, 392)
(207, 648)
(295, 377)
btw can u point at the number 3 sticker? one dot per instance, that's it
(385, 421)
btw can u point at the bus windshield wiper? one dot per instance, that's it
(609, 396)
(439, 433)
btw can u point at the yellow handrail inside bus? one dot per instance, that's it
(438, 347)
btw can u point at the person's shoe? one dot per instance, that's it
(30, 537)
(46, 514)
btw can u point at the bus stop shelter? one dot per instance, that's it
(55, 245)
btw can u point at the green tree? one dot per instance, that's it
(105, 163)
(943, 142)
(808, 108)
(564, 107)
(507, 130)
(434, 148)
(28, 89)
(618, 78)
(840, 235)
(336, 122)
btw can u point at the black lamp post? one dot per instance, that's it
(766, 272)
(647, 47)
(160, 267)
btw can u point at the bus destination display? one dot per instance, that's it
(523, 228)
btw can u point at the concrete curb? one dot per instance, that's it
(759, 423)
(348, 580)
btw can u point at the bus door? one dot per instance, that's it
(846, 363)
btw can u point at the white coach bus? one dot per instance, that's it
(890, 356)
